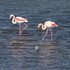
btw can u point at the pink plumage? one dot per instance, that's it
(46, 25)
(19, 20)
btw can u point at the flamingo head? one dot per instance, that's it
(11, 16)
(39, 25)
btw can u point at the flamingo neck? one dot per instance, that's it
(13, 20)
(43, 26)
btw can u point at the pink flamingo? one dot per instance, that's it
(19, 20)
(46, 25)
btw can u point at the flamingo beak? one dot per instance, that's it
(9, 17)
(39, 25)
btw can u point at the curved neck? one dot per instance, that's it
(13, 20)
(43, 26)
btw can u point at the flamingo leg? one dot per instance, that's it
(51, 34)
(25, 26)
(45, 34)
(20, 29)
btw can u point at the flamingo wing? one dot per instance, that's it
(20, 19)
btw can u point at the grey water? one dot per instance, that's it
(18, 52)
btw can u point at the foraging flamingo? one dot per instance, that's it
(19, 20)
(47, 25)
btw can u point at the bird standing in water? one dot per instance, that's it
(47, 25)
(19, 20)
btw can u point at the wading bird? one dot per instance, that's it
(47, 25)
(19, 20)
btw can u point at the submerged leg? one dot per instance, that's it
(45, 34)
(51, 34)
(20, 29)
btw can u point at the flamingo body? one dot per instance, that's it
(19, 20)
(46, 25)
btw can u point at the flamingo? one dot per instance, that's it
(19, 20)
(47, 25)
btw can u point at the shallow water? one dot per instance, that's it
(18, 52)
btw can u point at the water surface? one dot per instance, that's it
(18, 52)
